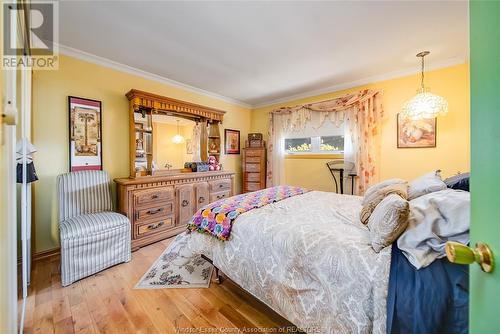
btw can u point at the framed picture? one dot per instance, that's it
(416, 134)
(85, 134)
(231, 141)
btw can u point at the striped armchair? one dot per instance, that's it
(93, 237)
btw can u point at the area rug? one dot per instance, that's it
(176, 268)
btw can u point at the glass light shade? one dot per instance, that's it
(177, 139)
(425, 105)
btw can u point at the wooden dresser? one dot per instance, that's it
(160, 206)
(254, 169)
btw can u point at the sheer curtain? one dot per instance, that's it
(276, 152)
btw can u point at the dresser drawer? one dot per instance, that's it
(256, 160)
(220, 195)
(252, 167)
(220, 185)
(253, 153)
(159, 210)
(252, 186)
(253, 177)
(159, 225)
(148, 196)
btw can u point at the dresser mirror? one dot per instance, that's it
(171, 145)
(166, 133)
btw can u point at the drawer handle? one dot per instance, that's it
(201, 199)
(154, 196)
(185, 202)
(221, 196)
(221, 185)
(152, 212)
(154, 227)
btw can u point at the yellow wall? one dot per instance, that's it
(50, 128)
(453, 148)
(83, 79)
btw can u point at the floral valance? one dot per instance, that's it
(296, 117)
(337, 104)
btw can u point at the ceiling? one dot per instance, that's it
(263, 52)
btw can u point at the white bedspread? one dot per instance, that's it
(309, 258)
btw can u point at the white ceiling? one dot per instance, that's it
(264, 52)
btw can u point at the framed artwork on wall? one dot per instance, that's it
(416, 134)
(231, 141)
(85, 134)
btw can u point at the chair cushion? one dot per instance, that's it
(92, 223)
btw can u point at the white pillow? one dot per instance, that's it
(370, 192)
(426, 184)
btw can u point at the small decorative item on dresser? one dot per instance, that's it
(196, 166)
(213, 164)
(232, 141)
(255, 140)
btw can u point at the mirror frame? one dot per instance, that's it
(149, 104)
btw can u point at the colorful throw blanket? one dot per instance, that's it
(217, 218)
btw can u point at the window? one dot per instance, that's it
(298, 145)
(327, 139)
(331, 144)
(316, 145)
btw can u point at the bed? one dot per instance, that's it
(310, 259)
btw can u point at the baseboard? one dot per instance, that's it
(43, 255)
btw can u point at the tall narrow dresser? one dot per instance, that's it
(254, 168)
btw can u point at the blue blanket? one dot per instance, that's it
(430, 300)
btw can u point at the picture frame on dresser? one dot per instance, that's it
(231, 141)
(85, 134)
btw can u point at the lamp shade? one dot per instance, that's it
(425, 105)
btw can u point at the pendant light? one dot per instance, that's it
(177, 139)
(424, 105)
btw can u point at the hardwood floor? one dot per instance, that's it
(107, 303)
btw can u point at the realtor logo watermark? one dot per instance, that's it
(33, 26)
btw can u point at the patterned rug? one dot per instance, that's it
(177, 269)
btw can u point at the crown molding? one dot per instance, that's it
(91, 58)
(94, 59)
(368, 80)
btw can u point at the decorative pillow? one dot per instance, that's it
(374, 198)
(377, 186)
(426, 184)
(388, 221)
(458, 182)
